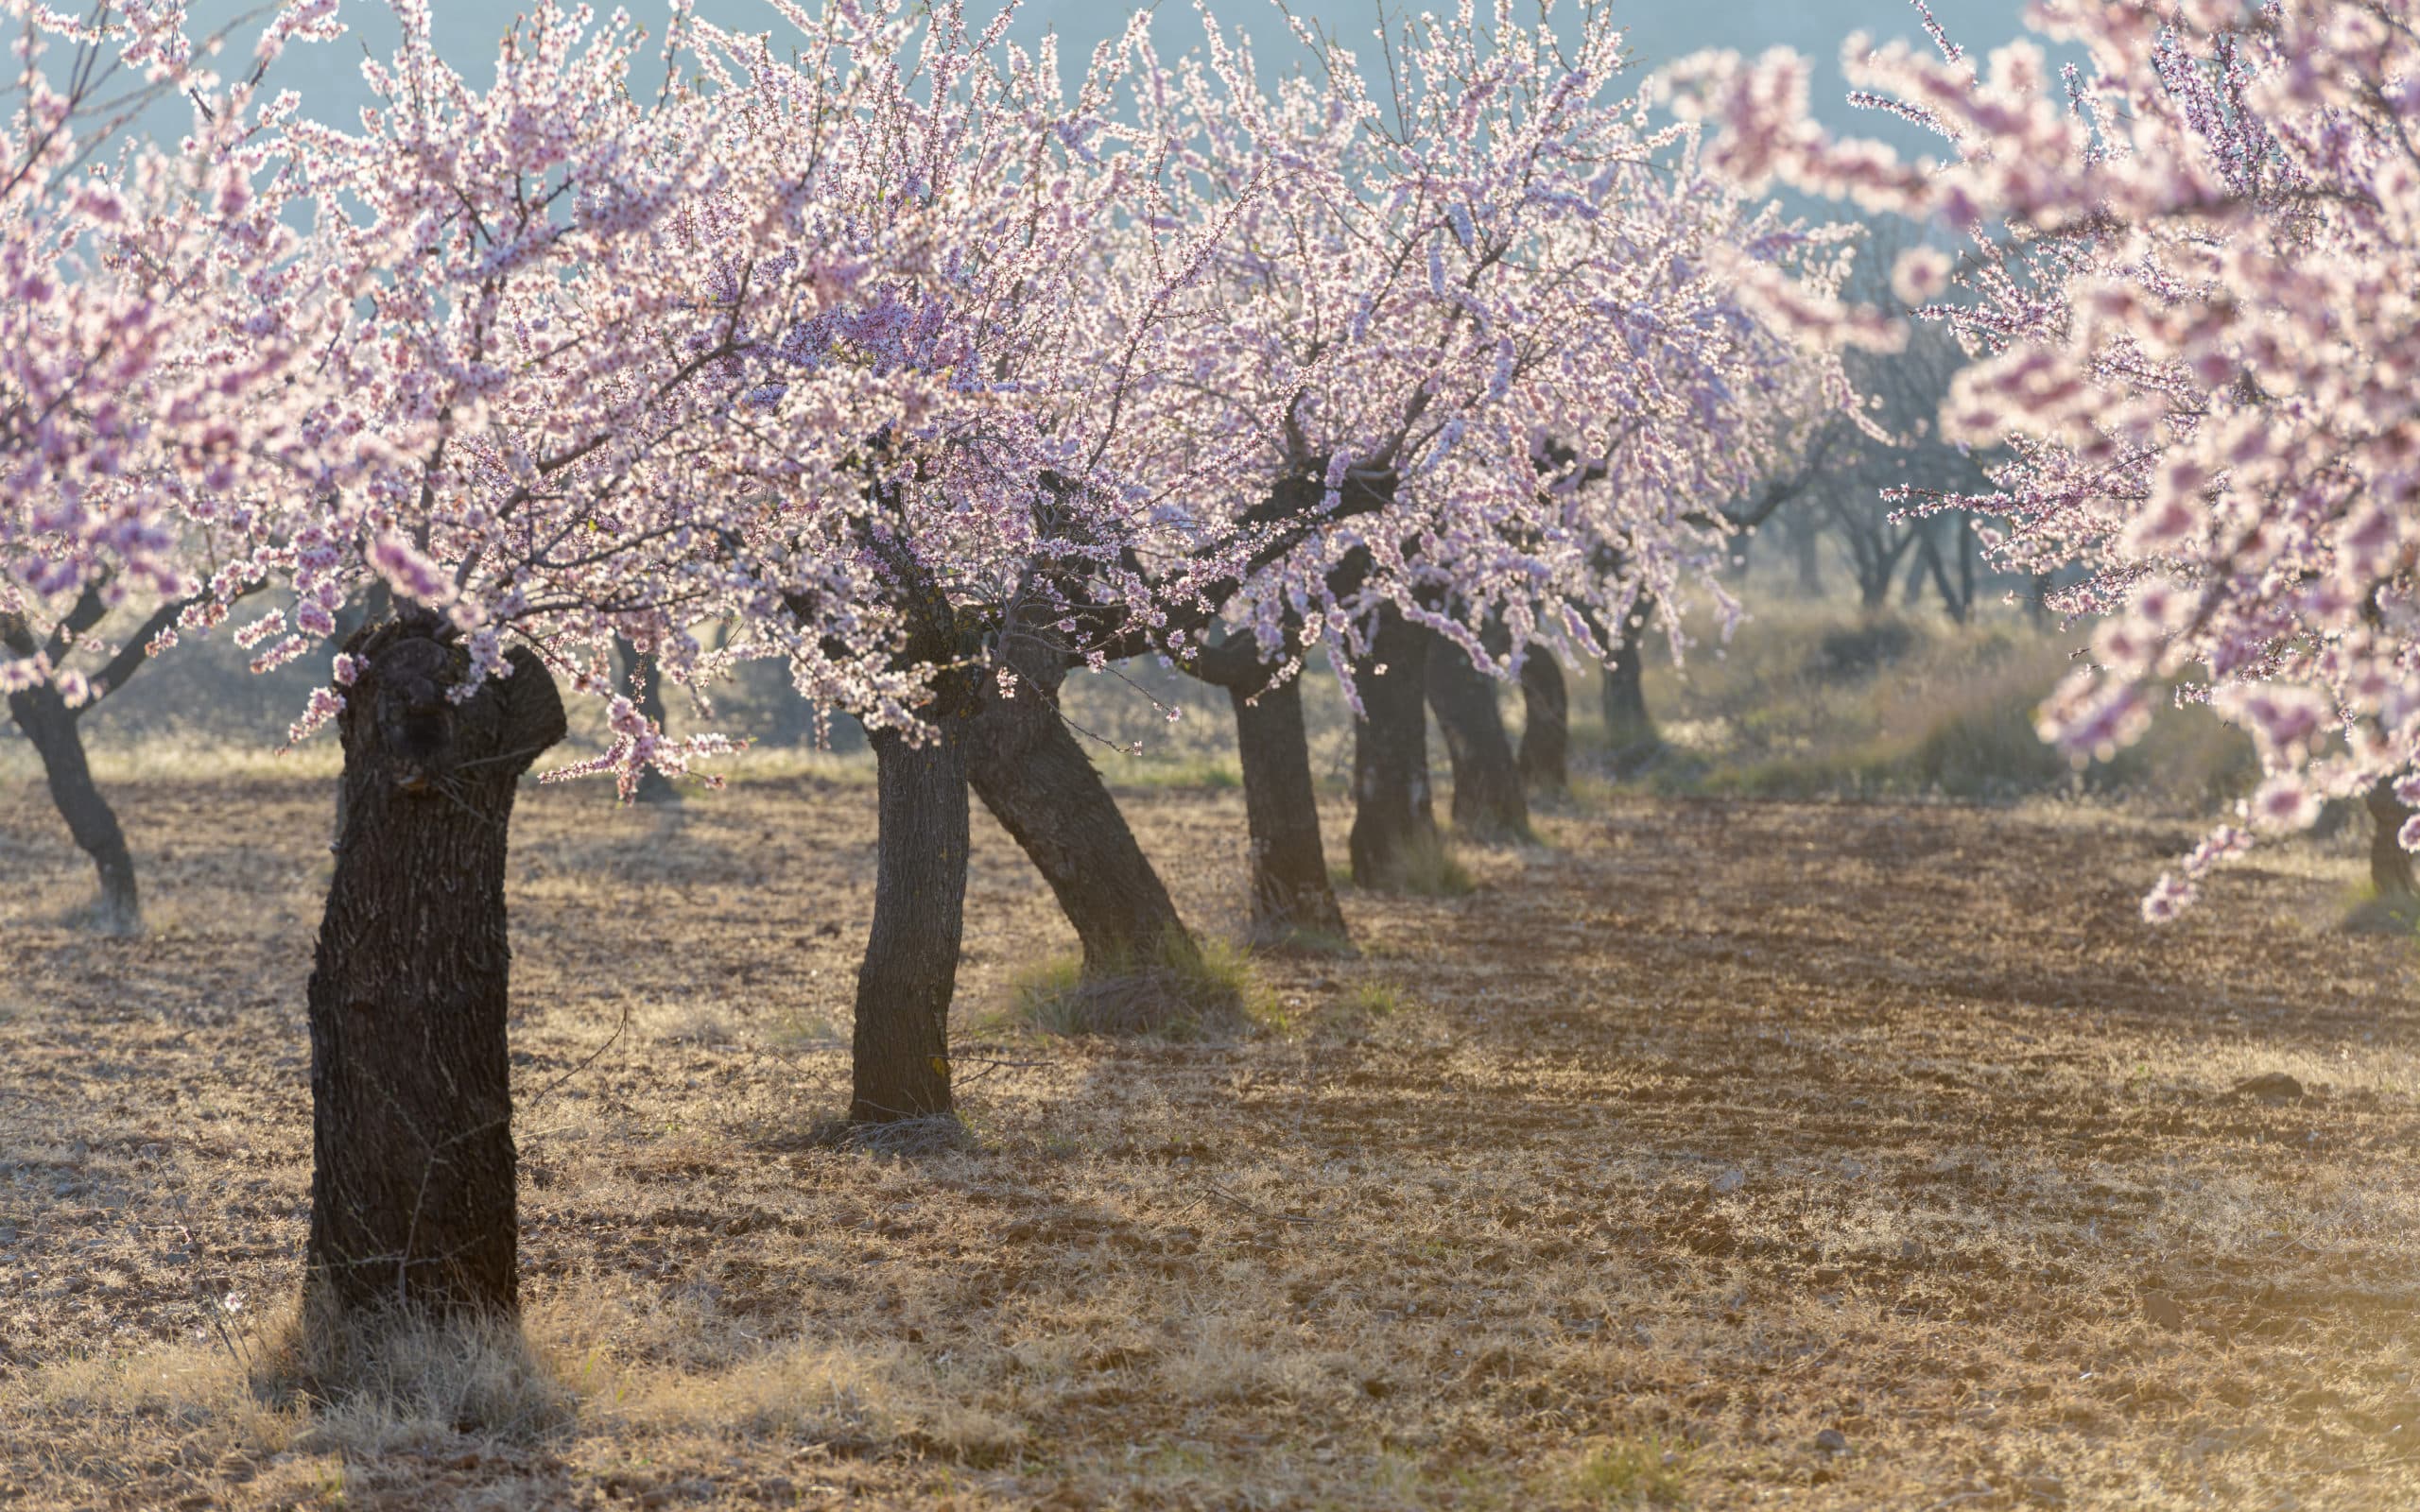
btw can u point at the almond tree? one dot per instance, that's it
(2189, 286)
(125, 354)
(1492, 318)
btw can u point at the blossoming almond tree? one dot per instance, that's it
(2190, 284)
(1022, 480)
(127, 348)
(1449, 276)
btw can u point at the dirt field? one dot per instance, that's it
(1712, 1154)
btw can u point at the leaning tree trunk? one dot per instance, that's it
(1545, 724)
(638, 675)
(1392, 818)
(1045, 792)
(2389, 864)
(412, 1190)
(911, 967)
(1629, 731)
(1489, 803)
(46, 720)
(1291, 894)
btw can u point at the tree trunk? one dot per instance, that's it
(1489, 803)
(59, 740)
(1392, 817)
(1291, 894)
(1630, 730)
(1545, 724)
(2389, 864)
(1045, 792)
(1805, 545)
(911, 967)
(1912, 589)
(1952, 598)
(638, 676)
(1965, 538)
(412, 1191)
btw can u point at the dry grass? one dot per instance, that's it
(1198, 991)
(1814, 699)
(1710, 1130)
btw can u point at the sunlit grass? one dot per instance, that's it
(1191, 991)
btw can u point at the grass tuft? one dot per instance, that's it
(1427, 868)
(1191, 991)
(2383, 913)
(935, 1134)
(1375, 1000)
(1629, 1473)
(404, 1378)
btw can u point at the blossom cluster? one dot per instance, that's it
(2190, 274)
(874, 346)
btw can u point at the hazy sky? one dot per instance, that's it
(329, 75)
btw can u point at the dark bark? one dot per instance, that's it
(1545, 724)
(638, 676)
(2389, 864)
(1630, 730)
(1489, 803)
(1291, 894)
(412, 1190)
(1043, 789)
(59, 740)
(1955, 598)
(1967, 564)
(1392, 818)
(911, 967)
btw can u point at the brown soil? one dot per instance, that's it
(1705, 1132)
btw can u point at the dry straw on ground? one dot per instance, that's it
(1715, 1154)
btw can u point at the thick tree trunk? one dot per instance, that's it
(2389, 864)
(1630, 730)
(46, 720)
(1392, 818)
(638, 676)
(910, 967)
(1489, 803)
(1045, 792)
(412, 1191)
(1545, 724)
(1291, 894)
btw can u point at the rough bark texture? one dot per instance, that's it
(637, 671)
(1392, 817)
(1545, 724)
(1037, 783)
(911, 967)
(1489, 801)
(51, 726)
(1291, 894)
(412, 1191)
(2389, 864)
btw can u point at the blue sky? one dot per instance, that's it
(329, 77)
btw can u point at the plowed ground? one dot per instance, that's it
(1696, 1133)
